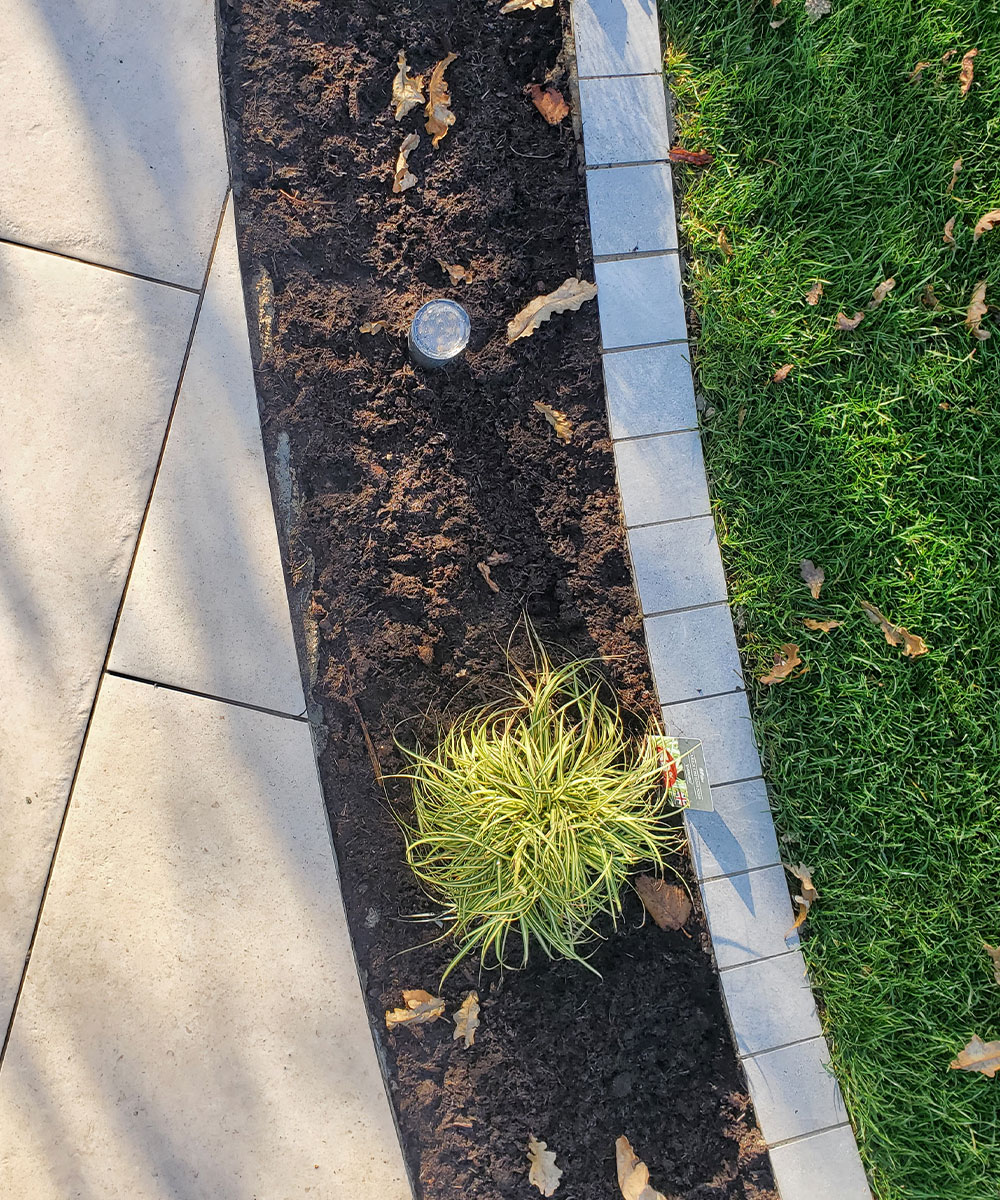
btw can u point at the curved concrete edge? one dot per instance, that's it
(681, 587)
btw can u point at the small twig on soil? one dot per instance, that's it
(521, 154)
(302, 199)
(369, 743)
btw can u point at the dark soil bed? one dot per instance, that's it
(405, 480)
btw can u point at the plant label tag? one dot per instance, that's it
(685, 773)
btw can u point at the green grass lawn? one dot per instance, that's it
(878, 458)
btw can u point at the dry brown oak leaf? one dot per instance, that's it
(456, 273)
(955, 168)
(633, 1175)
(814, 293)
(881, 292)
(407, 89)
(948, 237)
(845, 323)
(807, 894)
(567, 297)
(986, 223)
(820, 626)
(421, 1009)
(994, 953)
(694, 158)
(404, 177)
(667, 903)
(530, 5)
(558, 420)
(895, 635)
(440, 118)
(976, 311)
(373, 327)
(965, 75)
(467, 1020)
(978, 1056)
(814, 576)
(549, 102)
(915, 73)
(542, 1172)
(782, 373)
(785, 662)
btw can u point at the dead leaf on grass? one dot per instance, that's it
(845, 323)
(814, 576)
(777, 24)
(994, 953)
(985, 223)
(667, 903)
(980, 1056)
(807, 894)
(724, 245)
(915, 73)
(782, 373)
(633, 1175)
(567, 297)
(543, 1172)
(529, 5)
(881, 292)
(976, 311)
(373, 327)
(820, 626)
(407, 89)
(948, 55)
(558, 420)
(895, 635)
(421, 1009)
(694, 158)
(457, 274)
(467, 1020)
(440, 118)
(948, 236)
(928, 299)
(816, 9)
(955, 168)
(785, 661)
(814, 293)
(549, 102)
(404, 177)
(966, 73)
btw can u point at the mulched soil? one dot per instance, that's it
(404, 480)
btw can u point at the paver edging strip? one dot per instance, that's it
(622, 111)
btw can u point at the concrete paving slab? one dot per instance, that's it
(770, 1003)
(616, 37)
(191, 1025)
(90, 361)
(120, 107)
(738, 836)
(650, 390)
(206, 607)
(677, 565)
(624, 120)
(631, 209)
(794, 1090)
(639, 301)
(823, 1166)
(749, 915)
(723, 725)
(693, 653)
(661, 478)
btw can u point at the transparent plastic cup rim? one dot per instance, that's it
(439, 332)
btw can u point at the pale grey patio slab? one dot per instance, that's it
(111, 138)
(794, 1091)
(770, 1003)
(749, 915)
(90, 361)
(661, 478)
(649, 390)
(738, 836)
(191, 1023)
(677, 565)
(206, 607)
(624, 120)
(823, 1166)
(693, 653)
(616, 37)
(723, 725)
(631, 209)
(639, 301)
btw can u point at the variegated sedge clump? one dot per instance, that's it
(530, 815)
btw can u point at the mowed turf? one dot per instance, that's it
(877, 458)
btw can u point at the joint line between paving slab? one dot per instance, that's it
(669, 612)
(745, 871)
(114, 627)
(645, 437)
(670, 520)
(630, 255)
(784, 1045)
(89, 262)
(804, 1137)
(736, 691)
(175, 687)
(645, 346)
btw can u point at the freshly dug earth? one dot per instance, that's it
(404, 480)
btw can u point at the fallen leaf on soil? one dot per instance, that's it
(567, 297)
(846, 323)
(421, 1009)
(455, 273)
(404, 177)
(806, 895)
(467, 1019)
(816, 9)
(965, 75)
(667, 903)
(407, 89)
(976, 311)
(814, 293)
(373, 327)
(439, 115)
(978, 1056)
(820, 626)
(516, 5)
(550, 103)
(881, 292)
(994, 953)
(895, 635)
(985, 224)
(484, 570)
(694, 158)
(558, 420)
(915, 73)
(543, 1172)
(948, 237)
(814, 576)
(633, 1175)
(928, 299)
(785, 662)
(955, 168)
(782, 373)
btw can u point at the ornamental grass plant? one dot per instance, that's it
(529, 815)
